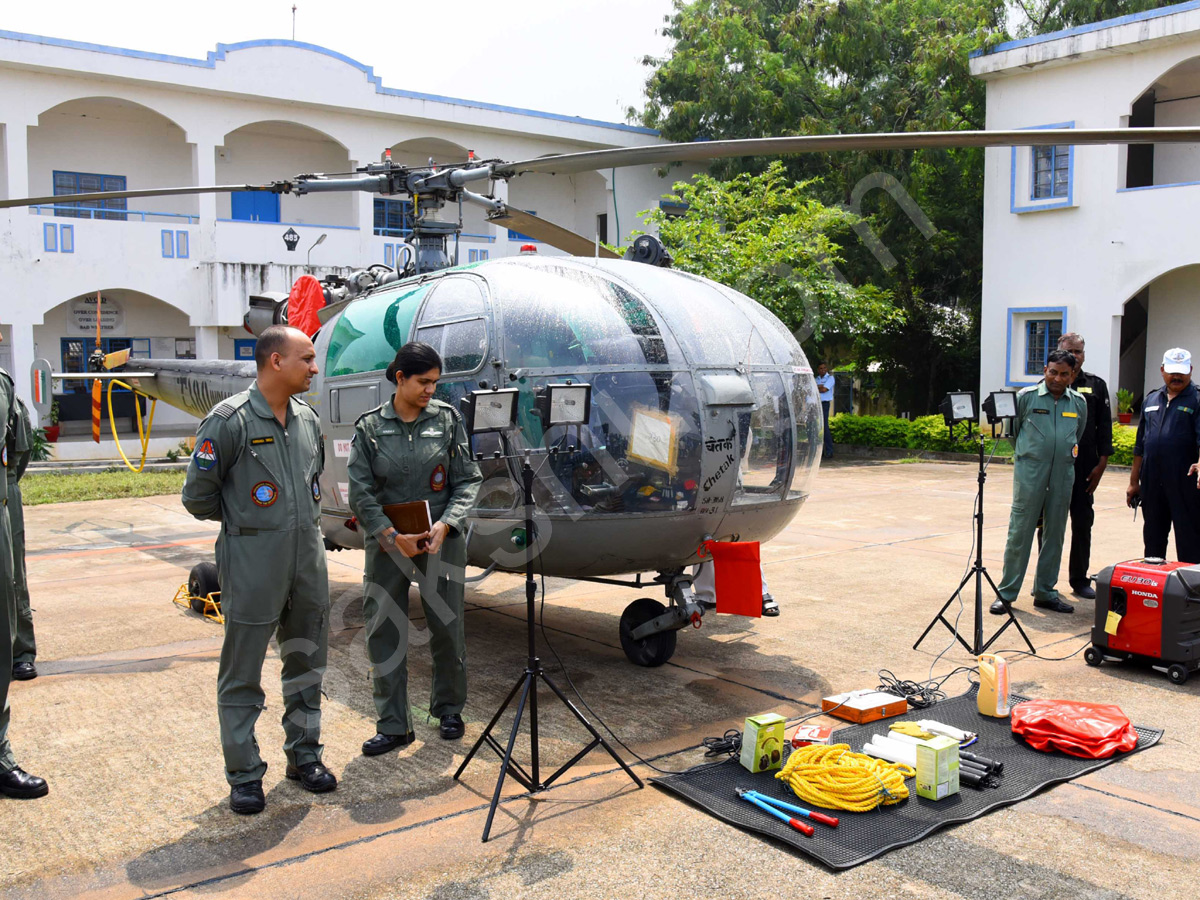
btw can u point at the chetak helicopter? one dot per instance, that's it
(704, 419)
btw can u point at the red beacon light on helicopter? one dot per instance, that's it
(529, 250)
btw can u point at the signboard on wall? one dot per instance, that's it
(82, 317)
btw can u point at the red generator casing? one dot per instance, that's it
(1159, 605)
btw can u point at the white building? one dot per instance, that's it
(1098, 240)
(175, 272)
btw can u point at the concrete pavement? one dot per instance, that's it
(122, 722)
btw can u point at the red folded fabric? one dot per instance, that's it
(1088, 730)
(738, 577)
(304, 300)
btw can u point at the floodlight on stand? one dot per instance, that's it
(1000, 405)
(491, 410)
(958, 406)
(564, 404)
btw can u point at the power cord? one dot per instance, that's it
(919, 694)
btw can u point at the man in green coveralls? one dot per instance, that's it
(1051, 418)
(14, 781)
(255, 469)
(18, 451)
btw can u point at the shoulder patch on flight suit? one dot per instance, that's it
(4, 456)
(205, 456)
(316, 488)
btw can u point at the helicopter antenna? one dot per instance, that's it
(293, 21)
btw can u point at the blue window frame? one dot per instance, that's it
(476, 255)
(1041, 336)
(66, 239)
(168, 243)
(1051, 172)
(254, 206)
(182, 239)
(50, 237)
(76, 352)
(67, 183)
(393, 218)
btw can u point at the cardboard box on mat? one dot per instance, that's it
(937, 768)
(762, 742)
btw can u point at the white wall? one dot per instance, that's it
(1174, 322)
(1174, 163)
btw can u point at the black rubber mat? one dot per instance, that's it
(863, 836)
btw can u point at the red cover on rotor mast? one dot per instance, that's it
(305, 299)
(737, 577)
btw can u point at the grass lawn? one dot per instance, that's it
(37, 488)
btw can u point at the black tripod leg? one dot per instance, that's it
(588, 725)
(1012, 620)
(941, 612)
(492, 724)
(528, 678)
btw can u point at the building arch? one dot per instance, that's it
(1171, 99)
(109, 143)
(268, 150)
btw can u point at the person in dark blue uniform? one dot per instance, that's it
(1168, 439)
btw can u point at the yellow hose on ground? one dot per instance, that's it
(836, 778)
(143, 433)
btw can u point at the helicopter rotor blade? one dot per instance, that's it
(702, 151)
(62, 199)
(555, 235)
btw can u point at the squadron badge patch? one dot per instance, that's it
(4, 456)
(205, 455)
(264, 493)
(316, 488)
(437, 481)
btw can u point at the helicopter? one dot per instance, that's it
(704, 421)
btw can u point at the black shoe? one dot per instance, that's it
(24, 671)
(1086, 592)
(312, 777)
(247, 799)
(998, 608)
(451, 728)
(770, 607)
(19, 784)
(382, 743)
(1054, 604)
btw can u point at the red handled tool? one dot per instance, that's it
(831, 821)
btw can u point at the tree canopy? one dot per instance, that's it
(756, 68)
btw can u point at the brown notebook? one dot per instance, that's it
(409, 518)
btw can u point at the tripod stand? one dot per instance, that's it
(979, 572)
(527, 686)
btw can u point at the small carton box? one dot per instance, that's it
(762, 742)
(937, 768)
(811, 734)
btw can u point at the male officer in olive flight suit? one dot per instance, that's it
(1051, 418)
(17, 453)
(255, 469)
(14, 782)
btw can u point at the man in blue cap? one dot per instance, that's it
(1166, 448)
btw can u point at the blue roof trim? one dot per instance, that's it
(1095, 26)
(222, 49)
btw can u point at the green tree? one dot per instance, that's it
(756, 68)
(770, 238)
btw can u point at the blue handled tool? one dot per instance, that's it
(752, 797)
(831, 821)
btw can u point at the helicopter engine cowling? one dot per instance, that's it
(270, 308)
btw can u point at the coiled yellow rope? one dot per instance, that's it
(836, 778)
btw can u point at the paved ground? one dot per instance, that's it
(122, 722)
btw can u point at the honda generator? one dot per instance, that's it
(1148, 610)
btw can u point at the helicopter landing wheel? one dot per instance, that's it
(202, 581)
(649, 651)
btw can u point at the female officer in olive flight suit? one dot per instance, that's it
(414, 448)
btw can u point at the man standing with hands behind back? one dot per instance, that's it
(1167, 439)
(1050, 421)
(256, 470)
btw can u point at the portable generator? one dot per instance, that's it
(1158, 605)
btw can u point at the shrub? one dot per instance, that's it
(1123, 439)
(869, 431)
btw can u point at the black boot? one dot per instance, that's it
(312, 777)
(19, 784)
(451, 728)
(247, 799)
(382, 743)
